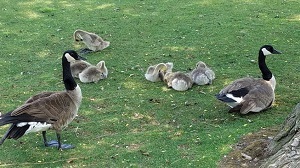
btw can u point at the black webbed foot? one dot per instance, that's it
(54, 143)
(85, 51)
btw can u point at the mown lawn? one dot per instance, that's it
(126, 121)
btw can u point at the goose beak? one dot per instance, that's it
(276, 52)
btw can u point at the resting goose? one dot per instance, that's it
(178, 81)
(47, 110)
(94, 73)
(252, 94)
(202, 75)
(91, 40)
(78, 66)
(153, 72)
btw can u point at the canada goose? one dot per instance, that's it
(153, 72)
(47, 110)
(202, 75)
(252, 94)
(91, 40)
(94, 73)
(78, 66)
(178, 81)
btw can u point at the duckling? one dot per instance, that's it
(94, 73)
(178, 81)
(78, 66)
(91, 40)
(153, 72)
(47, 110)
(202, 75)
(252, 94)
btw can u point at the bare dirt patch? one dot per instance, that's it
(250, 150)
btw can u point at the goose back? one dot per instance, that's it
(78, 66)
(91, 40)
(94, 73)
(178, 81)
(202, 75)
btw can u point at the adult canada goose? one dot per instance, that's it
(78, 66)
(94, 73)
(47, 110)
(252, 94)
(202, 75)
(91, 40)
(153, 72)
(178, 81)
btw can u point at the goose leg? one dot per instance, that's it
(54, 143)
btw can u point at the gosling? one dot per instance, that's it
(178, 81)
(202, 75)
(92, 41)
(94, 73)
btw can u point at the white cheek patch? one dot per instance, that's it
(265, 51)
(69, 57)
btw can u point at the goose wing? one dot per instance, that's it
(95, 40)
(50, 106)
(259, 98)
(236, 90)
(238, 86)
(39, 96)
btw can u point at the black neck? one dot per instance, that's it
(68, 79)
(266, 73)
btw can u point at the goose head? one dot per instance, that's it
(267, 75)
(156, 72)
(268, 50)
(77, 36)
(169, 66)
(71, 56)
(201, 64)
(103, 69)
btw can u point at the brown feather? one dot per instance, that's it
(56, 108)
(260, 95)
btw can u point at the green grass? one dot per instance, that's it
(126, 121)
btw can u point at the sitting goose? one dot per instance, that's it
(78, 66)
(91, 40)
(153, 72)
(202, 75)
(178, 81)
(94, 73)
(251, 94)
(47, 110)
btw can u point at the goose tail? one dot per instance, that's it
(14, 131)
(224, 98)
(6, 119)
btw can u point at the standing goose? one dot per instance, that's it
(202, 75)
(47, 110)
(178, 81)
(78, 66)
(252, 94)
(94, 73)
(91, 40)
